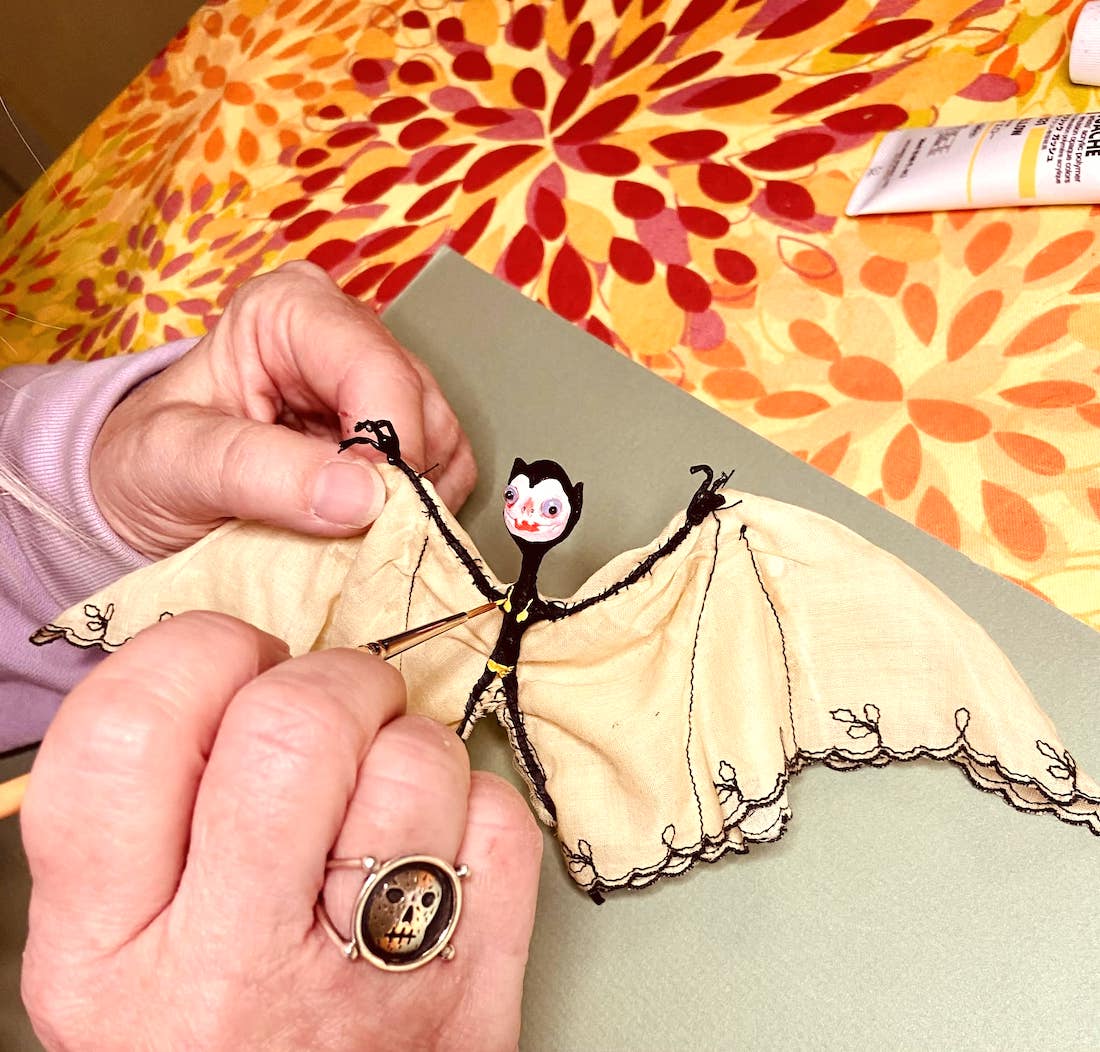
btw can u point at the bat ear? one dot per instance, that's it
(518, 468)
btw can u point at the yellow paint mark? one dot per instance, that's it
(1029, 161)
(973, 161)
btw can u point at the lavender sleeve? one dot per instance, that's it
(49, 419)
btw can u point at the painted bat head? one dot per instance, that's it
(541, 505)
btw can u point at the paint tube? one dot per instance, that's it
(1028, 161)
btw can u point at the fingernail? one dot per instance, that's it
(347, 493)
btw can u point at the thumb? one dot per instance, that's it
(271, 474)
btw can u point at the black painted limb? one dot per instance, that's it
(536, 776)
(383, 437)
(706, 500)
(467, 723)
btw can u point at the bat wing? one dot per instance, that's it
(314, 593)
(671, 717)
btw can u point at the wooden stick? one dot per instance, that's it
(11, 795)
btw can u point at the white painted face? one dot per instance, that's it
(536, 513)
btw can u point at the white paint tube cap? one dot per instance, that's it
(1084, 49)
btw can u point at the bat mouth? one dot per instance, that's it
(523, 525)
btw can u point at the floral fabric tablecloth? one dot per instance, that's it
(669, 175)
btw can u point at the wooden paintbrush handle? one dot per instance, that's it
(11, 795)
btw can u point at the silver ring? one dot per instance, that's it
(405, 913)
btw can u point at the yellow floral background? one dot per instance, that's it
(670, 176)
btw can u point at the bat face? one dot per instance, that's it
(536, 513)
(541, 505)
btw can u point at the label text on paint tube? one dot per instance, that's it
(1029, 161)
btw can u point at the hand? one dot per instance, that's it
(177, 823)
(199, 443)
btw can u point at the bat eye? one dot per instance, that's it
(510, 495)
(551, 509)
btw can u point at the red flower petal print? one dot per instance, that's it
(827, 93)
(690, 145)
(883, 36)
(729, 91)
(687, 70)
(703, 221)
(549, 214)
(866, 120)
(569, 288)
(525, 29)
(431, 201)
(605, 159)
(374, 185)
(399, 277)
(799, 18)
(441, 161)
(529, 88)
(789, 200)
(572, 94)
(470, 65)
(523, 260)
(396, 111)
(486, 170)
(637, 51)
(631, 261)
(734, 266)
(637, 200)
(687, 290)
(421, 132)
(600, 121)
(724, 183)
(795, 150)
(466, 236)
(695, 14)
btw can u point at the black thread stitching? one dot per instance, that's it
(691, 677)
(782, 634)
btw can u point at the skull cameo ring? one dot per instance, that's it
(405, 912)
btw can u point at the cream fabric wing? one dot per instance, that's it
(670, 716)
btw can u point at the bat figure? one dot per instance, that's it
(541, 508)
(659, 714)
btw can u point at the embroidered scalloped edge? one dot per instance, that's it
(712, 847)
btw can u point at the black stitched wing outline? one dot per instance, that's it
(384, 438)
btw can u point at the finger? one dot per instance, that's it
(454, 472)
(216, 467)
(457, 482)
(320, 345)
(503, 850)
(278, 782)
(410, 800)
(107, 816)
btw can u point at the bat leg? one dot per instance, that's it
(536, 776)
(467, 723)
